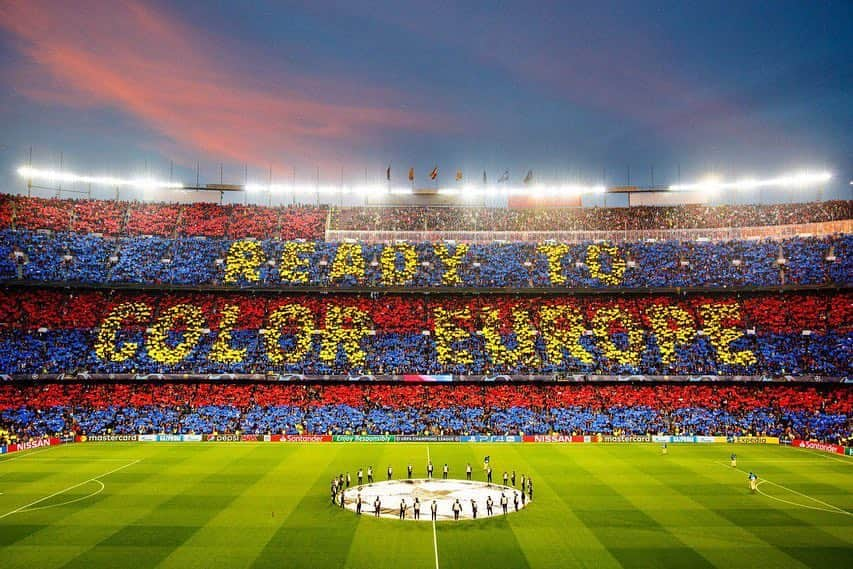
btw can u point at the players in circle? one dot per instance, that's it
(522, 494)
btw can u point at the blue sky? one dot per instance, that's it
(571, 90)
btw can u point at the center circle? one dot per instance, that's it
(445, 493)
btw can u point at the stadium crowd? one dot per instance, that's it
(66, 330)
(114, 218)
(59, 331)
(797, 411)
(308, 222)
(88, 258)
(585, 219)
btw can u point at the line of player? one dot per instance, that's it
(342, 482)
(508, 477)
(456, 507)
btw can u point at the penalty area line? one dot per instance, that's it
(831, 511)
(833, 508)
(93, 479)
(434, 535)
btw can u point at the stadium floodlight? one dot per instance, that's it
(544, 190)
(367, 189)
(795, 180)
(69, 177)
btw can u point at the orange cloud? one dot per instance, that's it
(166, 74)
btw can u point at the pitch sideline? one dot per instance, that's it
(25, 453)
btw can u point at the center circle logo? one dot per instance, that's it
(448, 495)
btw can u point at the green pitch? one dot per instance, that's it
(217, 505)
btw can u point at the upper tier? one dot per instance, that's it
(92, 259)
(238, 221)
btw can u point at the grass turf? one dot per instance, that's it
(188, 505)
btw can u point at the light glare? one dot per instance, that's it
(69, 177)
(796, 180)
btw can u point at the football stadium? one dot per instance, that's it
(470, 359)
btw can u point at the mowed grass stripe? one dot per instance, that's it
(314, 533)
(210, 504)
(23, 482)
(822, 478)
(150, 538)
(794, 531)
(550, 523)
(631, 534)
(671, 500)
(69, 531)
(486, 543)
(832, 484)
(260, 501)
(375, 541)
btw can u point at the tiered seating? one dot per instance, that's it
(253, 221)
(204, 219)
(302, 223)
(515, 265)
(191, 220)
(790, 334)
(152, 219)
(98, 216)
(720, 333)
(795, 411)
(50, 214)
(308, 222)
(586, 219)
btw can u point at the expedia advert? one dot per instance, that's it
(753, 440)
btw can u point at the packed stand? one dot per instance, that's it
(586, 219)
(88, 258)
(794, 411)
(308, 222)
(60, 331)
(117, 218)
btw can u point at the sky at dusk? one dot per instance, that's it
(573, 90)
